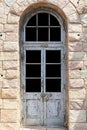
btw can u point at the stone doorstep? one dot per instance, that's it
(43, 128)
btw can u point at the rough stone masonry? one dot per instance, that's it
(11, 13)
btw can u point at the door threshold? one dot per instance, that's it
(43, 128)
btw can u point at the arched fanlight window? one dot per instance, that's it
(43, 27)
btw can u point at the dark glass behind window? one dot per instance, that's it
(55, 34)
(53, 21)
(41, 26)
(30, 34)
(42, 19)
(32, 21)
(33, 85)
(53, 85)
(33, 70)
(53, 70)
(42, 34)
(53, 56)
(33, 56)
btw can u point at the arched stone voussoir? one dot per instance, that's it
(21, 5)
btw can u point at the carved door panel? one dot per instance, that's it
(44, 87)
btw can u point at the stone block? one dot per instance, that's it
(0, 64)
(1, 28)
(3, 18)
(77, 56)
(74, 18)
(9, 126)
(77, 104)
(10, 3)
(76, 83)
(75, 46)
(9, 56)
(78, 126)
(85, 47)
(11, 74)
(10, 46)
(11, 28)
(74, 74)
(2, 9)
(9, 93)
(75, 28)
(77, 116)
(76, 65)
(0, 103)
(1, 45)
(2, 36)
(12, 37)
(10, 83)
(77, 94)
(83, 73)
(8, 116)
(74, 37)
(69, 9)
(10, 104)
(13, 19)
(10, 65)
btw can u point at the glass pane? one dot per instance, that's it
(32, 21)
(53, 85)
(42, 19)
(33, 85)
(42, 34)
(33, 56)
(33, 70)
(53, 70)
(55, 34)
(54, 21)
(30, 34)
(53, 56)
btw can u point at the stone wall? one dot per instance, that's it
(75, 14)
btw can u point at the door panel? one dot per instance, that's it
(44, 91)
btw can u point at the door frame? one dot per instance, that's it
(24, 44)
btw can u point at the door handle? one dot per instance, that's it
(43, 96)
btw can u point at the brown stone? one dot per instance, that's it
(77, 104)
(69, 9)
(9, 116)
(9, 104)
(76, 65)
(10, 83)
(75, 46)
(78, 116)
(11, 37)
(74, 37)
(10, 46)
(77, 56)
(9, 56)
(76, 83)
(13, 18)
(9, 126)
(1, 45)
(76, 74)
(78, 126)
(11, 28)
(11, 74)
(77, 94)
(10, 65)
(9, 93)
(75, 28)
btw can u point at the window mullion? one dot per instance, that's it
(37, 27)
(49, 27)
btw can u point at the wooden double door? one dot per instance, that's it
(44, 92)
